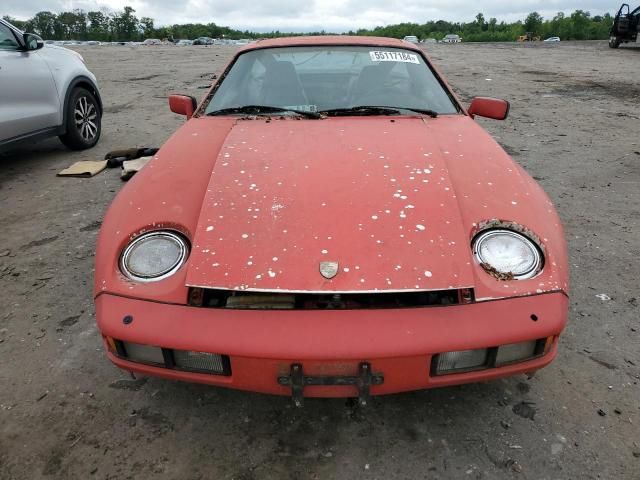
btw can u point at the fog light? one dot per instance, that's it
(463, 360)
(199, 361)
(516, 352)
(143, 353)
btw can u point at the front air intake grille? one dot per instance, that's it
(246, 300)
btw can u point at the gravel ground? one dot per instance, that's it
(66, 412)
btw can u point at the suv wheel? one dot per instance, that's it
(83, 120)
(614, 42)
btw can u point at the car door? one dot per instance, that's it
(29, 100)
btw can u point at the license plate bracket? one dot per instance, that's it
(297, 380)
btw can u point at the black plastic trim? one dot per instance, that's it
(73, 84)
(217, 299)
(13, 142)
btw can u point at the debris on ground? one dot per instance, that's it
(131, 167)
(84, 169)
(116, 158)
(604, 297)
(525, 410)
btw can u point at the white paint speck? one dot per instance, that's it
(244, 235)
(428, 274)
(209, 228)
(422, 228)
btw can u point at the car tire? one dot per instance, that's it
(614, 42)
(83, 120)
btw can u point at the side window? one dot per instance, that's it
(7, 40)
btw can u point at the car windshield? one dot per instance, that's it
(323, 78)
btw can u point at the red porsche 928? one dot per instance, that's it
(331, 221)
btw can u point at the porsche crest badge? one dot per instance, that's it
(328, 269)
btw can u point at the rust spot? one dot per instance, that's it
(505, 277)
(509, 225)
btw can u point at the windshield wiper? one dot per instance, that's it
(263, 109)
(363, 110)
(423, 111)
(376, 110)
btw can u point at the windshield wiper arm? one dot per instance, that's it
(424, 111)
(263, 109)
(361, 110)
(377, 110)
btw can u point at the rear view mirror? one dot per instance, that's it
(32, 41)
(183, 105)
(489, 108)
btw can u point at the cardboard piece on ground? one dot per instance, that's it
(130, 167)
(84, 169)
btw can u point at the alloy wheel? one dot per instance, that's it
(85, 115)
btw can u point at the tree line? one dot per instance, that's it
(106, 25)
(580, 25)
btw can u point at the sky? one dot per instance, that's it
(313, 15)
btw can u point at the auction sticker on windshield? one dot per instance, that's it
(405, 57)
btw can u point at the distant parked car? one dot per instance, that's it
(203, 41)
(93, 43)
(46, 91)
(184, 43)
(553, 39)
(411, 39)
(452, 39)
(430, 40)
(152, 41)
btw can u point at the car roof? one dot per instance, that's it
(330, 40)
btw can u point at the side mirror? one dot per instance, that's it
(32, 41)
(183, 105)
(489, 108)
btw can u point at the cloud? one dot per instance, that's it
(311, 15)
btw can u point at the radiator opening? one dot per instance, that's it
(246, 300)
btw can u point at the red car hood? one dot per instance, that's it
(374, 195)
(264, 202)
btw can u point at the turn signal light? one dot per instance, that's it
(486, 358)
(197, 362)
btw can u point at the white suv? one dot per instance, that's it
(45, 91)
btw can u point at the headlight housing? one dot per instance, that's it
(507, 253)
(154, 256)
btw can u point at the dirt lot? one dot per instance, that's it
(66, 412)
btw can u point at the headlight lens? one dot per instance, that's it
(509, 253)
(154, 256)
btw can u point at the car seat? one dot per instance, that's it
(282, 86)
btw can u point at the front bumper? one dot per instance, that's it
(263, 345)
